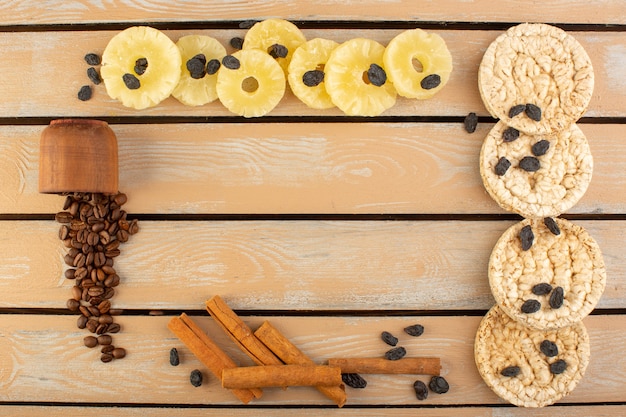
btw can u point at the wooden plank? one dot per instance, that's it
(302, 168)
(273, 265)
(88, 11)
(440, 411)
(52, 92)
(43, 360)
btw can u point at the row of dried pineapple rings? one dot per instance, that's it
(141, 67)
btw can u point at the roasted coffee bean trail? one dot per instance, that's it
(93, 226)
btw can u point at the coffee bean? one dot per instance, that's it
(106, 357)
(73, 304)
(113, 327)
(77, 292)
(107, 349)
(104, 306)
(102, 328)
(105, 318)
(105, 339)
(119, 353)
(90, 341)
(81, 323)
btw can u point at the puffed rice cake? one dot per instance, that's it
(502, 343)
(571, 260)
(538, 64)
(563, 175)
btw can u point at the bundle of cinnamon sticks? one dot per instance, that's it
(279, 363)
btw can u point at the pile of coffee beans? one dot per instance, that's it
(93, 225)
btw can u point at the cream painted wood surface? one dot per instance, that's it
(268, 265)
(52, 92)
(44, 360)
(302, 168)
(86, 11)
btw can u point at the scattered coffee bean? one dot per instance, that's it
(90, 341)
(533, 112)
(376, 75)
(236, 42)
(277, 51)
(174, 359)
(556, 298)
(388, 338)
(421, 390)
(231, 62)
(213, 66)
(93, 59)
(515, 110)
(470, 122)
(354, 380)
(313, 78)
(141, 65)
(527, 237)
(549, 348)
(542, 288)
(530, 164)
(558, 367)
(430, 81)
(105, 339)
(195, 378)
(119, 353)
(439, 385)
(395, 353)
(131, 82)
(552, 226)
(106, 357)
(84, 93)
(510, 134)
(414, 330)
(107, 349)
(502, 166)
(540, 147)
(73, 305)
(510, 371)
(531, 306)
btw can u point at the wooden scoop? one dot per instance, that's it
(78, 155)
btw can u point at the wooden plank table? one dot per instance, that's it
(333, 228)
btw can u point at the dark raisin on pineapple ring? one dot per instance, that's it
(213, 66)
(141, 65)
(470, 122)
(549, 348)
(196, 66)
(515, 110)
(313, 78)
(431, 81)
(531, 306)
(510, 134)
(542, 289)
(236, 42)
(354, 380)
(533, 112)
(84, 93)
(278, 51)
(376, 75)
(231, 62)
(510, 371)
(131, 82)
(552, 226)
(502, 166)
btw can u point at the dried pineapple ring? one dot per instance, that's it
(270, 35)
(255, 87)
(430, 50)
(198, 91)
(347, 78)
(140, 67)
(308, 61)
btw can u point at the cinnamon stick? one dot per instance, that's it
(280, 376)
(207, 352)
(417, 366)
(240, 332)
(290, 354)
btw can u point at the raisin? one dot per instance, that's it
(141, 65)
(231, 62)
(93, 59)
(549, 348)
(527, 237)
(515, 110)
(313, 78)
(470, 122)
(236, 42)
(421, 390)
(93, 75)
(376, 75)
(431, 81)
(84, 93)
(540, 148)
(439, 385)
(132, 82)
(414, 330)
(510, 134)
(213, 66)
(247, 24)
(542, 289)
(278, 51)
(388, 338)
(531, 306)
(195, 378)
(502, 166)
(510, 371)
(552, 226)
(354, 380)
(533, 112)
(558, 367)
(195, 66)
(174, 359)
(556, 298)
(529, 164)
(395, 353)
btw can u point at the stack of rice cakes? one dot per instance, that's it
(546, 273)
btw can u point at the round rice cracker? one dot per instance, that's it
(571, 260)
(502, 342)
(539, 64)
(563, 176)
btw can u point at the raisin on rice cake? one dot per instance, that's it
(536, 78)
(527, 367)
(536, 176)
(546, 274)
